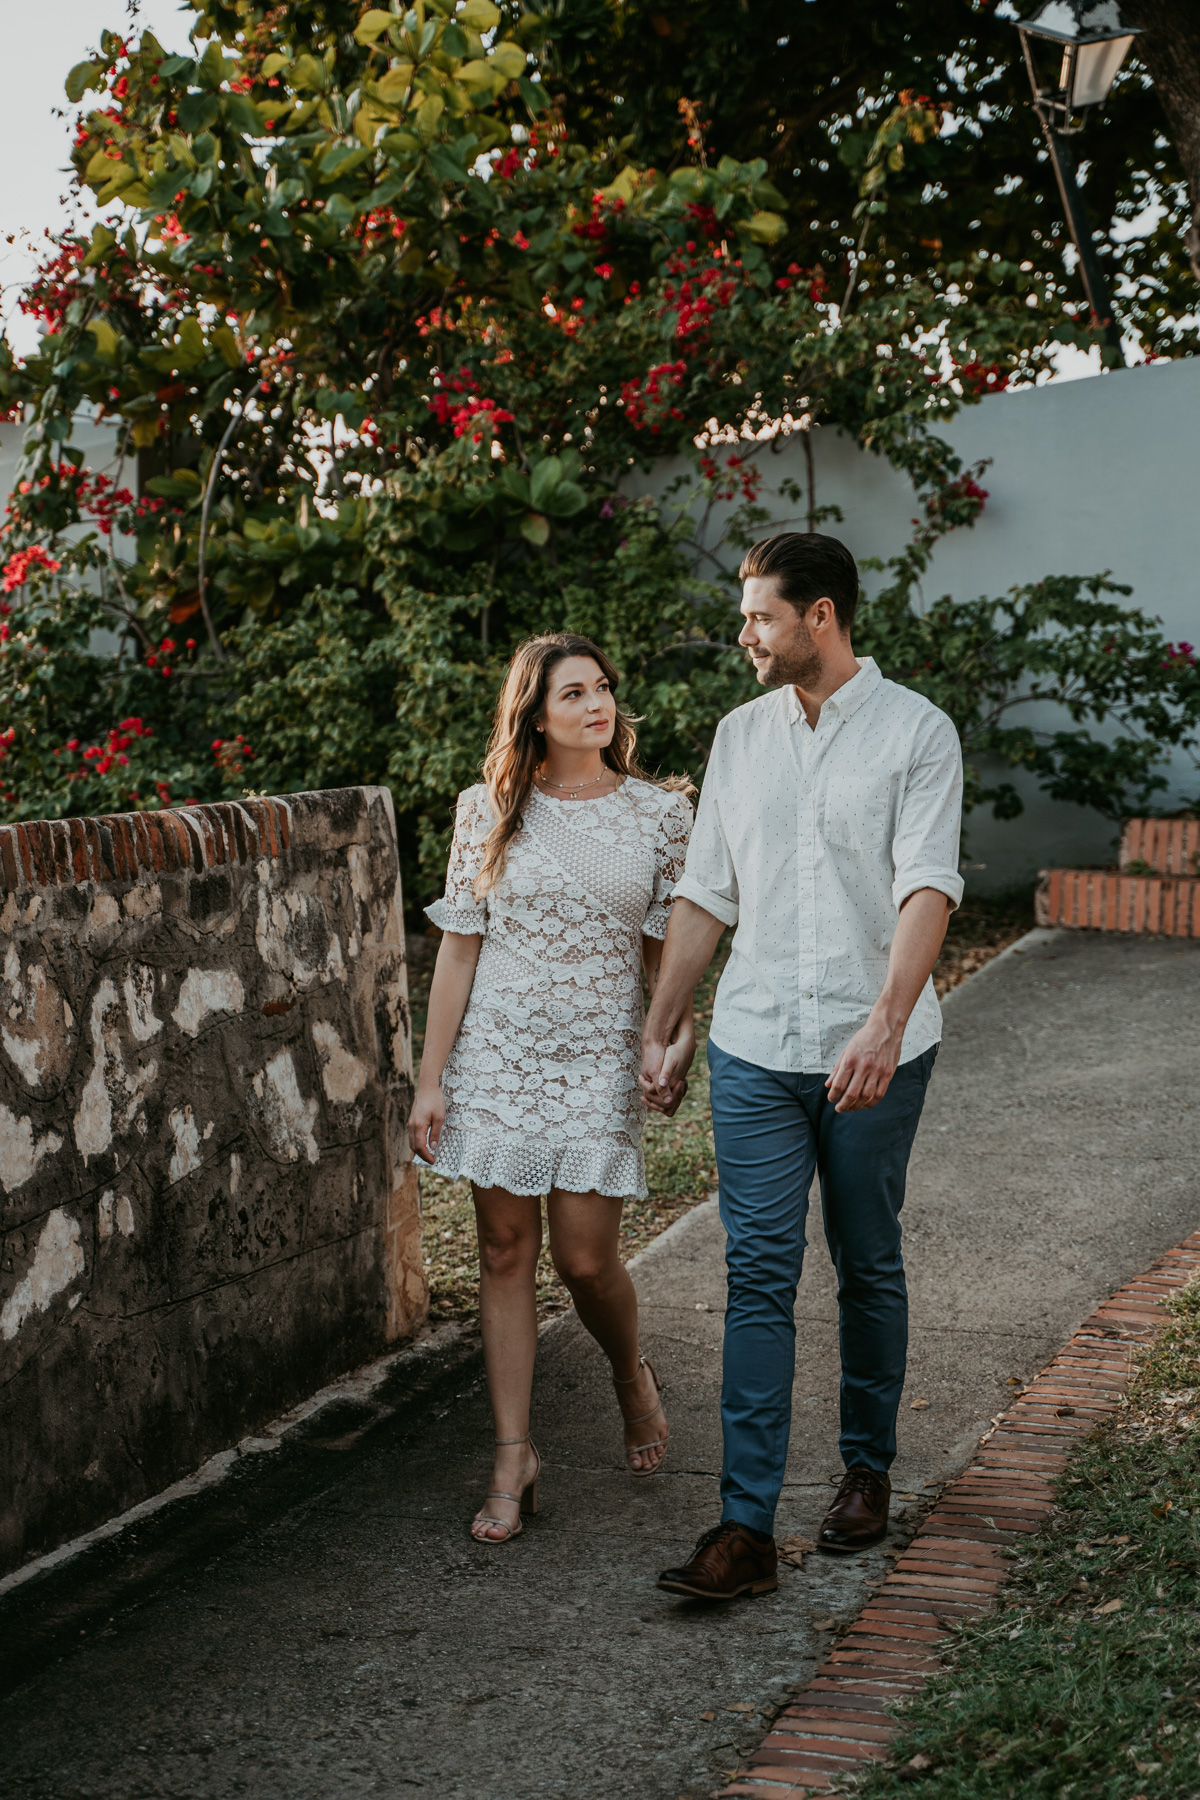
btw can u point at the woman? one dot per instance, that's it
(557, 895)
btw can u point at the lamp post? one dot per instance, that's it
(1094, 39)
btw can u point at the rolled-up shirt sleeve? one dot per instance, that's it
(925, 848)
(460, 909)
(709, 878)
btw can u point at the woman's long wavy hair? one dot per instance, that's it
(517, 748)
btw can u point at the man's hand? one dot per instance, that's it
(863, 1072)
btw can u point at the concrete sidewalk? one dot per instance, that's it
(342, 1636)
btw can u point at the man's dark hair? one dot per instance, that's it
(807, 566)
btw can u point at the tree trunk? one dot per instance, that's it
(1170, 49)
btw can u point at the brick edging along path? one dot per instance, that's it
(955, 1566)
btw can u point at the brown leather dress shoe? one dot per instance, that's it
(859, 1514)
(728, 1560)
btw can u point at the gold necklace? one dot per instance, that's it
(572, 789)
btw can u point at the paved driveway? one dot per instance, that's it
(324, 1628)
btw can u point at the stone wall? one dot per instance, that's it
(207, 1208)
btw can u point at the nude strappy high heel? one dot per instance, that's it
(659, 1443)
(526, 1501)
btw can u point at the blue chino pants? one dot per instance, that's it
(772, 1131)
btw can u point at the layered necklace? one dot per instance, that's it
(573, 789)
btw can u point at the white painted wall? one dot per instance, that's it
(1086, 477)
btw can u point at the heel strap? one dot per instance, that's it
(626, 1380)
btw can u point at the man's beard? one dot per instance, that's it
(799, 665)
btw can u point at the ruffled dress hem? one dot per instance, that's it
(513, 1163)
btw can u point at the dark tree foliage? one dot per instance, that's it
(805, 85)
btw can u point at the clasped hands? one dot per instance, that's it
(663, 1079)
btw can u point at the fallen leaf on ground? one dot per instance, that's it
(824, 1624)
(1110, 1606)
(742, 1706)
(708, 1717)
(919, 1406)
(793, 1550)
(920, 1762)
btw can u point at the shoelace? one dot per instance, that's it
(716, 1533)
(859, 1481)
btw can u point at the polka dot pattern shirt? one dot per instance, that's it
(809, 841)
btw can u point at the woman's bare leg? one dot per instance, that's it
(585, 1246)
(510, 1239)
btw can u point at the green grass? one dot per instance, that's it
(1050, 1695)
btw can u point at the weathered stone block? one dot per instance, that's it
(207, 1208)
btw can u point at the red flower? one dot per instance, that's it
(16, 569)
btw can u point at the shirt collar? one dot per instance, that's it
(847, 699)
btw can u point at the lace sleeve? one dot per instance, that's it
(459, 909)
(670, 850)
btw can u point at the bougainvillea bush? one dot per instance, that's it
(378, 343)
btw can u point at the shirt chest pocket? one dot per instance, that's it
(855, 814)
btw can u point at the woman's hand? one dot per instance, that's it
(425, 1122)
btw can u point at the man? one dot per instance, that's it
(828, 834)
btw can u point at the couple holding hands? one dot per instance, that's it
(827, 835)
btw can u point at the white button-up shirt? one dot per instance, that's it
(809, 841)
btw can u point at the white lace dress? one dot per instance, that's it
(541, 1085)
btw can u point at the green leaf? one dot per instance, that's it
(83, 76)
(307, 72)
(392, 87)
(454, 42)
(224, 341)
(273, 64)
(103, 240)
(510, 59)
(533, 94)
(479, 15)
(180, 484)
(198, 111)
(341, 160)
(543, 481)
(567, 499)
(243, 115)
(444, 162)
(765, 193)
(428, 114)
(212, 68)
(371, 26)
(477, 74)
(191, 346)
(106, 338)
(763, 228)
(515, 482)
(536, 528)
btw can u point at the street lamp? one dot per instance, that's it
(1094, 39)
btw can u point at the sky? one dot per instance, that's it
(34, 144)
